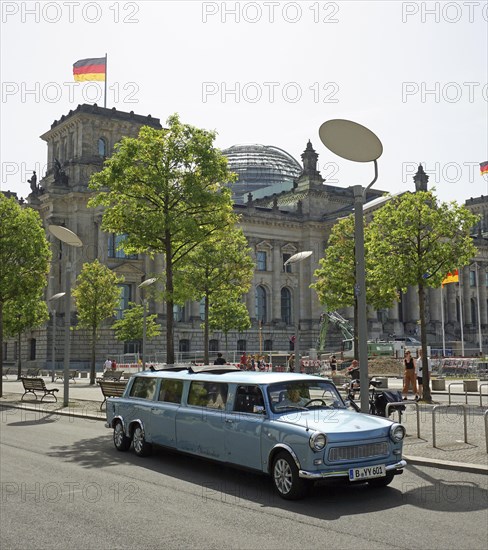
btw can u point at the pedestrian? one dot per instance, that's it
(420, 366)
(333, 365)
(409, 375)
(114, 364)
(107, 365)
(220, 360)
(243, 364)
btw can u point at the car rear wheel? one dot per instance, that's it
(121, 441)
(286, 480)
(381, 481)
(141, 446)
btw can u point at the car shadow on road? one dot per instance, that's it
(211, 481)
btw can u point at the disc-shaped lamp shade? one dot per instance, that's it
(65, 235)
(350, 140)
(298, 257)
(148, 282)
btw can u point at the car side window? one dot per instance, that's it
(170, 391)
(143, 388)
(248, 398)
(208, 394)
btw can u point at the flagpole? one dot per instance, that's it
(461, 322)
(105, 90)
(442, 323)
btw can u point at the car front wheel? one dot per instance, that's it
(121, 441)
(141, 446)
(286, 480)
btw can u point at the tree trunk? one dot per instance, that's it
(170, 349)
(426, 396)
(92, 361)
(206, 354)
(19, 358)
(1, 349)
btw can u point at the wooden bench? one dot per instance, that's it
(32, 373)
(72, 375)
(33, 385)
(111, 388)
(114, 375)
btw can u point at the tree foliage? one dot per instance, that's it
(24, 262)
(220, 266)
(164, 190)
(131, 326)
(415, 241)
(228, 313)
(97, 296)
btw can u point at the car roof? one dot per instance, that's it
(229, 375)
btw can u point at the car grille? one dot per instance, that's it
(354, 452)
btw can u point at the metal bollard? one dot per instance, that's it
(405, 403)
(465, 418)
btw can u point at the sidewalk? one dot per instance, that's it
(451, 450)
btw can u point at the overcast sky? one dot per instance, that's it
(415, 73)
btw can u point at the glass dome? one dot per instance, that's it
(260, 166)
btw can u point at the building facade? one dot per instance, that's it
(278, 219)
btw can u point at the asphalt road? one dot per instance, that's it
(65, 486)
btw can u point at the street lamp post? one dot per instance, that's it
(72, 240)
(352, 141)
(143, 285)
(296, 258)
(53, 354)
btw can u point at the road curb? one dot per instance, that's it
(446, 464)
(61, 412)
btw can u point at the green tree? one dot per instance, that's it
(131, 326)
(21, 316)
(336, 276)
(228, 313)
(415, 241)
(164, 190)
(24, 261)
(216, 267)
(97, 296)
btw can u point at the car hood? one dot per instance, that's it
(338, 421)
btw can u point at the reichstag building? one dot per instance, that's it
(285, 207)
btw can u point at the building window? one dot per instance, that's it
(102, 148)
(213, 345)
(472, 278)
(261, 309)
(261, 260)
(474, 318)
(32, 349)
(286, 306)
(241, 345)
(16, 351)
(184, 345)
(486, 279)
(202, 309)
(268, 345)
(286, 268)
(458, 311)
(125, 298)
(4, 351)
(178, 313)
(115, 250)
(132, 347)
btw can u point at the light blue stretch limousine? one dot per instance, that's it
(295, 428)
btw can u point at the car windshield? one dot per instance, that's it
(304, 394)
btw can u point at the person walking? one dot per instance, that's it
(409, 378)
(420, 366)
(107, 365)
(333, 365)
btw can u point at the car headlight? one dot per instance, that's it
(397, 433)
(317, 441)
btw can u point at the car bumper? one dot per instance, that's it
(391, 468)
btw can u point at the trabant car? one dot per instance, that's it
(295, 428)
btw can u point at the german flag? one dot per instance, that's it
(451, 278)
(90, 69)
(484, 168)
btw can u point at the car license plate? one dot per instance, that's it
(368, 472)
